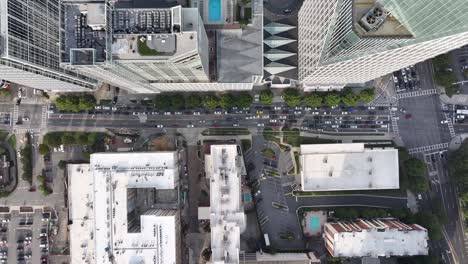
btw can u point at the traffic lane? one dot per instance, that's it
(349, 200)
(447, 192)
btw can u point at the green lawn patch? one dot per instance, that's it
(246, 144)
(144, 50)
(225, 131)
(269, 153)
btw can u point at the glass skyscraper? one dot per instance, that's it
(354, 41)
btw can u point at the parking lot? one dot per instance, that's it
(406, 79)
(25, 236)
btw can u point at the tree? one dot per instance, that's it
(415, 171)
(41, 179)
(86, 102)
(5, 92)
(366, 95)
(312, 100)
(211, 101)
(62, 164)
(292, 97)
(81, 138)
(332, 99)
(346, 213)
(266, 97)
(53, 139)
(194, 101)
(226, 101)
(350, 99)
(177, 102)
(458, 166)
(243, 100)
(44, 149)
(68, 139)
(162, 102)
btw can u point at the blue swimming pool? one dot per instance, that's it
(214, 10)
(247, 197)
(314, 222)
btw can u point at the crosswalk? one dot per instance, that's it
(450, 125)
(436, 147)
(394, 123)
(15, 115)
(417, 93)
(44, 116)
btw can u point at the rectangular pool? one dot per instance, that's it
(247, 197)
(214, 10)
(314, 222)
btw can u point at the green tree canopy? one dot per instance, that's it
(86, 102)
(5, 92)
(68, 138)
(243, 100)
(332, 99)
(43, 149)
(312, 100)
(194, 101)
(177, 102)
(227, 101)
(292, 97)
(211, 101)
(415, 170)
(366, 95)
(458, 166)
(162, 102)
(81, 138)
(350, 99)
(266, 97)
(53, 139)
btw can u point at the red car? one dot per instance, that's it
(408, 116)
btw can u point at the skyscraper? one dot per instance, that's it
(355, 41)
(30, 46)
(147, 48)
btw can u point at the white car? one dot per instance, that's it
(189, 125)
(260, 125)
(315, 113)
(353, 126)
(159, 126)
(335, 126)
(444, 122)
(277, 108)
(273, 121)
(196, 113)
(297, 112)
(378, 122)
(106, 108)
(167, 113)
(338, 118)
(235, 125)
(25, 119)
(217, 112)
(371, 107)
(344, 113)
(328, 122)
(177, 113)
(358, 117)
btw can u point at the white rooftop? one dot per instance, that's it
(378, 243)
(81, 213)
(113, 179)
(328, 167)
(227, 217)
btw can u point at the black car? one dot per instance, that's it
(18, 102)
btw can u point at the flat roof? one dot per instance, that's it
(227, 217)
(327, 167)
(81, 213)
(376, 238)
(113, 180)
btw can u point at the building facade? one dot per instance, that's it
(375, 238)
(141, 49)
(354, 41)
(29, 47)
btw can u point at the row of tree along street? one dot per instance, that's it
(180, 101)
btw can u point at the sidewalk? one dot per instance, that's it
(456, 141)
(457, 99)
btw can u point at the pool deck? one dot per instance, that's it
(321, 215)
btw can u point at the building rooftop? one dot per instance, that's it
(328, 167)
(371, 19)
(131, 231)
(227, 217)
(156, 32)
(375, 238)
